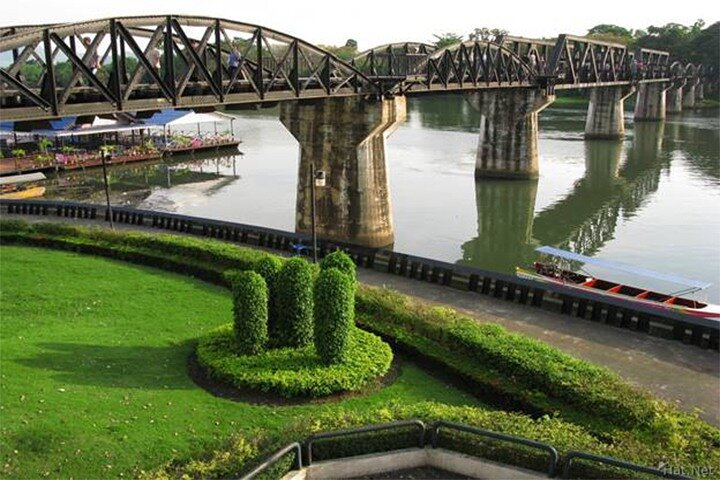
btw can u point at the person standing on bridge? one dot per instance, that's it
(234, 61)
(92, 61)
(533, 62)
(153, 58)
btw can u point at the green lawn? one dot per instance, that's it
(93, 377)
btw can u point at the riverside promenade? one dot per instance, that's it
(684, 374)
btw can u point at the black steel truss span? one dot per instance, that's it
(147, 63)
(154, 62)
(417, 67)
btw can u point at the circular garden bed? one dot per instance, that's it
(294, 372)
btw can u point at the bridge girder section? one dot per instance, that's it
(194, 70)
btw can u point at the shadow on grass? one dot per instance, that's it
(116, 366)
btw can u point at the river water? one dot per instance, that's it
(651, 200)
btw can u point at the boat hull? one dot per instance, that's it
(32, 192)
(707, 311)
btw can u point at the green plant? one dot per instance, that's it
(107, 149)
(44, 159)
(269, 267)
(18, 152)
(294, 372)
(496, 365)
(68, 149)
(342, 261)
(334, 314)
(250, 312)
(294, 303)
(44, 144)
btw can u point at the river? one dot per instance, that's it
(651, 200)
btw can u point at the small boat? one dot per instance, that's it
(548, 272)
(18, 187)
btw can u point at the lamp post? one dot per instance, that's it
(106, 155)
(317, 179)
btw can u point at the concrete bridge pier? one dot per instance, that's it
(606, 113)
(674, 102)
(650, 102)
(688, 98)
(700, 91)
(507, 147)
(345, 137)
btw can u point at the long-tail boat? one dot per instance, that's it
(550, 272)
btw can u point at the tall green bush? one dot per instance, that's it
(334, 314)
(342, 261)
(294, 304)
(250, 311)
(269, 267)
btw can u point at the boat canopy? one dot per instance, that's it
(28, 177)
(556, 252)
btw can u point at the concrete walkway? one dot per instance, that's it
(684, 374)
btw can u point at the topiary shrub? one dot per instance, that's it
(250, 311)
(342, 261)
(269, 267)
(334, 314)
(294, 304)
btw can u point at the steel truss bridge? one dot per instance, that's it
(155, 62)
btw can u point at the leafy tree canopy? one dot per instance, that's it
(446, 39)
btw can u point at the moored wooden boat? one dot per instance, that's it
(556, 275)
(31, 192)
(18, 187)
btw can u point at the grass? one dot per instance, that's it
(93, 377)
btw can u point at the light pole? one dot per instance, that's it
(106, 155)
(317, 179)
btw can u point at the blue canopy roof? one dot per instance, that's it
(556, 252)
(57, 124)
(164, 117)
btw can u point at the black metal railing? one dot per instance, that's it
(553, 456)
(571, 456)
(276, 457)
(421, 427)
(428, 436)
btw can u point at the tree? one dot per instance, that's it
(294, 304)
(347, 52)
(269, 267)
(447, 39)
(342, 261)
(486, 34)
(250, 301)
(611, 33)
(334, 314)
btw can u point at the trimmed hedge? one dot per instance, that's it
(250, 312)
(294, 303)
(342, 261)
(518, 359)
(294, 372)
(527, 373)
(269, 267)
(334, 314)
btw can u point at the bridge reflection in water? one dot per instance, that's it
(584, 220)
